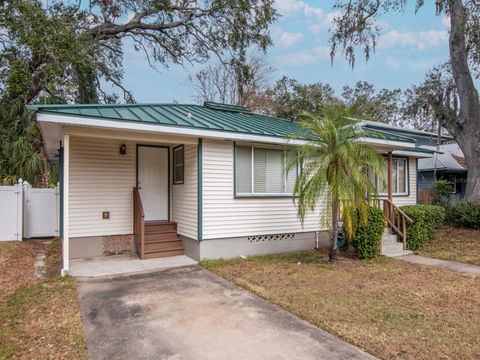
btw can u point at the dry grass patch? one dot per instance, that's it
(462, 245)
(392, 309)
(38, 319)
(16, 265)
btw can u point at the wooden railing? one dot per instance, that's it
(396, 219)
(138, 223)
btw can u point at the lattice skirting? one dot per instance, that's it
(270, 237)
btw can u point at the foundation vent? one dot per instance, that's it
(270, 237)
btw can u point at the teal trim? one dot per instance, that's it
(234, 169)
(62, 188)
(200, 190)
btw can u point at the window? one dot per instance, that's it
(178, 164)
(399, 178)
(261, 171)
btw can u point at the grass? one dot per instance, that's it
(39, 319)
(390, 308)
(16, 265)
(462, 245)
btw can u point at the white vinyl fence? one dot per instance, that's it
(11, 209)
(27, 212)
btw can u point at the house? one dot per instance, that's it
(208, 181)
(449, 164)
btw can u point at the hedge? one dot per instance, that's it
(464, 214)
(425, 219)
(368, 237)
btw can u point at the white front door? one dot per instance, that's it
(153, 181)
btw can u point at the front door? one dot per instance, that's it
(153, 181)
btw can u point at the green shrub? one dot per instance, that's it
(367, 238)
(425, 219)
(464, 214)
(441, 190)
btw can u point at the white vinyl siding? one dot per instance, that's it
(103, 180)
(100, 180)
(184, 197)
(225, 216)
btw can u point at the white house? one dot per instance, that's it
(208, 181)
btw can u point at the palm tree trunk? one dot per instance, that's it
(333, 255)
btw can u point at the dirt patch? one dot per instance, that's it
(392, 309)
(39, 319)
(53, 258)
(17, 265)
(462, 245)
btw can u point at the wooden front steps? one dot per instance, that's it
(161, 240)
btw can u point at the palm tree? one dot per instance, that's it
(336, 168)
(22, 154)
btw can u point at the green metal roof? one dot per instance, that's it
(210, 116)
(377, 134)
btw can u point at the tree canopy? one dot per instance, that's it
(357, 28)
(73, 51)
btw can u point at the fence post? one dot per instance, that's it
(26, 199)
(19, 210)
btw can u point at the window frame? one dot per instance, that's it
(407, 178)
(252, 164)
(175, 166)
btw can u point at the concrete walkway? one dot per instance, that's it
(190, 313)
(124, 265)
(450, 265)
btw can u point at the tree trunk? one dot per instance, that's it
(467, 126)
(333, 254)
(469, 142)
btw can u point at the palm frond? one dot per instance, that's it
(334, 166)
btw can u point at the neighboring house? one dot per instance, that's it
(448, 165)
(213, 174)
(424, 139)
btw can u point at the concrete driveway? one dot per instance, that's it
(190, 313)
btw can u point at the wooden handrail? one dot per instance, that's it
(396, 219)
(138, 223)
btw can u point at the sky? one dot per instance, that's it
(410, 45)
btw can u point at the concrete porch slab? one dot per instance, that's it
(124, 265)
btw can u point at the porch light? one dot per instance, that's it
(123, 149)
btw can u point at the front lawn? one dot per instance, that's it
(462, 245)
(390, 308)
(39, 319)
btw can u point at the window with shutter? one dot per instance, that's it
(178, 164)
